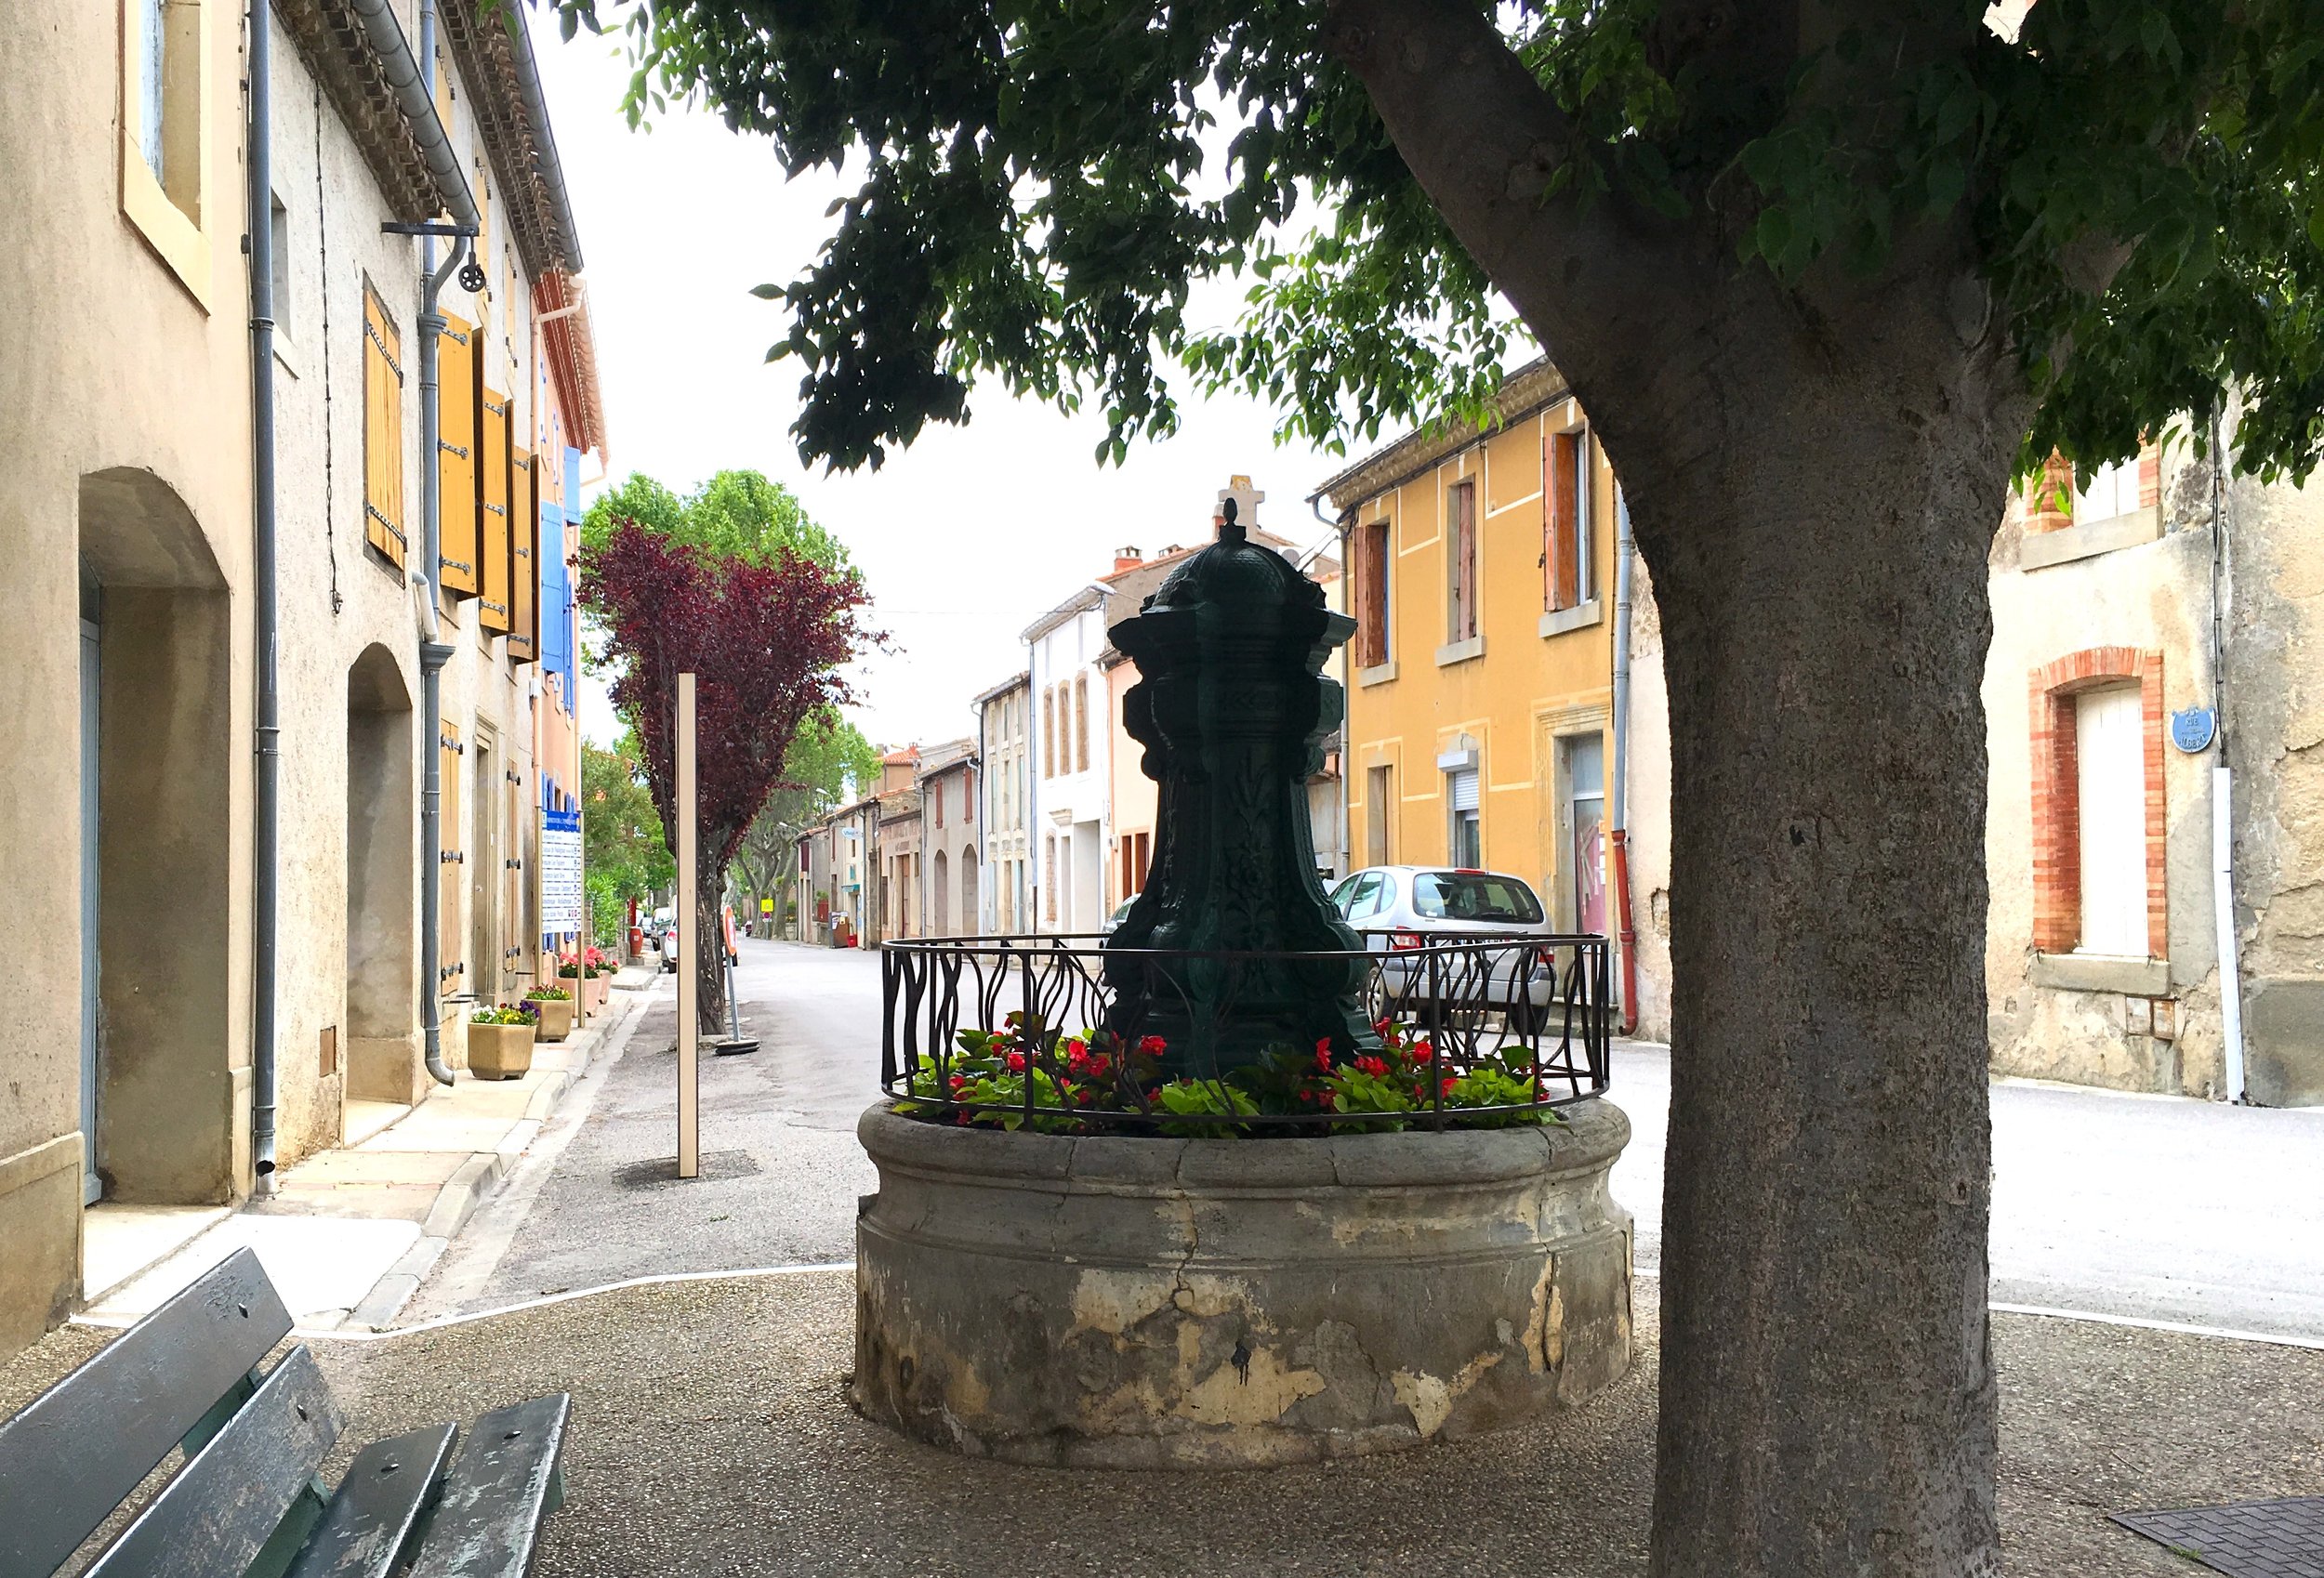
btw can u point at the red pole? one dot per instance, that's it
(1620, 851)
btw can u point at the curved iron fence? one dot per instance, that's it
(1480, 1032)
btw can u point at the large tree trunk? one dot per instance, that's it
(1815, 471)
(1827, 1396)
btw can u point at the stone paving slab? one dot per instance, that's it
(711, 1437)
(2257, 1539)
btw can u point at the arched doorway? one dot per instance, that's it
(940, 925)
(157, 942)
(382, 1016)
(968, 921)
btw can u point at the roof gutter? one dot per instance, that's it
(412, 96)
(551, 172)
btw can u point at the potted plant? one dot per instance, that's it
(500, 1041)
(597, 972)
(554, 1005)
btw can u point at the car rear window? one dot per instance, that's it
(1474, 896)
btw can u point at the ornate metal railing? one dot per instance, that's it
(1533, 1011)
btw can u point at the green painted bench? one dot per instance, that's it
(438, 1502)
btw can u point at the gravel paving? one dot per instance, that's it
(711, 1437)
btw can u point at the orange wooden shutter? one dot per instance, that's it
(493, 524)
(450, 954)
(1564, 532)
(524, 573)
(383, 430)
(456, 457)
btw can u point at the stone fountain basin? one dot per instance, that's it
(1138, 1302)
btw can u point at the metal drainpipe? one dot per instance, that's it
(414, 95)
(2223, 798)
(1618, 841)
(433, 656)
(267, 800)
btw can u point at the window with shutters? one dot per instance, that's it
(383, 430)
(1467, 841)
(1049, 732)
(2099, 839)
(1081, 723)
(1460, 557)
(450, 962)
(1566, 550)
(1371, 594)
(165, 120)
(524, 591)
(456, 471)
(492, 521)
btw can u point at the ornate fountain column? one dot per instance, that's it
(1233, 708)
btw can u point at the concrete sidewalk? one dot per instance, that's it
(710, 1435)
(350, 1234)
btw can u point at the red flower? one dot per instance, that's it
(1153, 1045)
(959, 1082)
(1382, 1026)
(1322, 1054)
(1016, 1062)
(1375, 1067)
(1446, 1089)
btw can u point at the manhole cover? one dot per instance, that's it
(663, 1170)
(2252, 1539)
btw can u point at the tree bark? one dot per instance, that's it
(1813, 474)
(1827, 1396)
(709, 951)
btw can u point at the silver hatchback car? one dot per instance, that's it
(1399, 908)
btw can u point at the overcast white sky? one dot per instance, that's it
(964, 538)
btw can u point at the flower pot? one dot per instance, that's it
(500, 1051)
(556, 1017)
(593, 988)
(579, 989)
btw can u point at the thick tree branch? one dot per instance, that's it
(1594, 281)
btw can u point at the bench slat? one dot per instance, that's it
(369, 1521)
(505, 1481)
(221, 1508)
(68, 1459)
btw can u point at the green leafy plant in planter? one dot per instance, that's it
(1091, 1081)
(504, 1014)
(548, 995)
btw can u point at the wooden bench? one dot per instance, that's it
(247, 1500)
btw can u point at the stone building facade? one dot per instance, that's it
(1005, 800)
(128, 511)
(2152, 627)
(950, 854)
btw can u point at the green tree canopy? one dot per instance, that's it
(2136, 184)
(621, 830)
(736, 514)
(829, 762)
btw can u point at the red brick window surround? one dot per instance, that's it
(2057, 855)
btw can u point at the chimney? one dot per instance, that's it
(1127, 559)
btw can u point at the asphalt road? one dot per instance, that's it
(2139, 1206)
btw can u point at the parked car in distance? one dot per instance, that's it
(1106, 927)
(670, 946)
(1398, 908)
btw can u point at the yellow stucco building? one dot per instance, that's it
(1481, 674)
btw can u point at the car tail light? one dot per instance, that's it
(1546, 959)
(1404, 941)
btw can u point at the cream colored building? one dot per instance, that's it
(127, 512)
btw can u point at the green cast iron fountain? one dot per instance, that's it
(1233, 708)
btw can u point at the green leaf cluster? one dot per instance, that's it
(2132, 190)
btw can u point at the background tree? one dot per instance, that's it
(734, 515)
(828, 760)
(1816, 273)
(622, 847)
(765, 638)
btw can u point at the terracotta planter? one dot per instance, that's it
(500, 1051)
(594, 989)
(556, 1017)
(579, 989)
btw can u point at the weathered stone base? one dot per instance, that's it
(1141, 1303)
